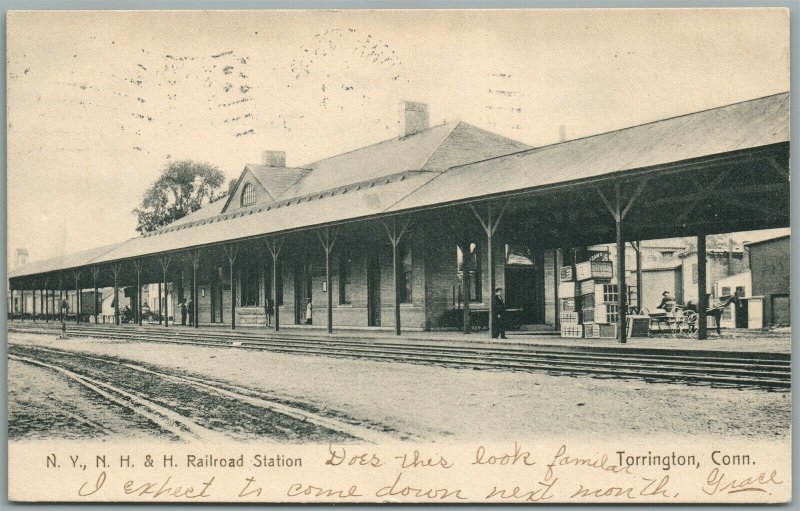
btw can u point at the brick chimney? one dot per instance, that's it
(273, 158)
(21, 257)
(413, 118)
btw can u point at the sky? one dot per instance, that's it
(99, 102)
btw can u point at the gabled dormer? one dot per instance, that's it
(264, 182)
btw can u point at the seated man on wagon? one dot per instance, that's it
(667, 302)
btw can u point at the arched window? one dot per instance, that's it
(248, 195)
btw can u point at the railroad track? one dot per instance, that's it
(716, 368)
(144, 401)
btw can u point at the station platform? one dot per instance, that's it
(778, 341)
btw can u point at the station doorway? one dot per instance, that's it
(302, 290)
(524, 293)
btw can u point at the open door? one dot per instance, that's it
(302, 290)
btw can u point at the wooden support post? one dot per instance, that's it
(395, 236)
(465, 289)
(95, 272)
(274, 246)
(230, 252)
(622, 287)
(22, 306)
(637, 247)
(164, 261)
(619, 211)
(328, 240)
(33, 302)
(160, 314)
(195, 258)
(490, 225)
(60, 298)
(137, 265)
(77, 275)
(266, 298)
(115, 274)
(463, 243)
(702, 299)
(556, 280)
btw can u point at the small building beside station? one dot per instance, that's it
(770, 262)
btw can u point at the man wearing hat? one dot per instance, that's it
(498, 328)
(667, 302)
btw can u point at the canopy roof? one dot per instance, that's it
(744, 125)
(428, 169)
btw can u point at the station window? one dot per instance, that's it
(406, 276)
(345, 268)
(472, 265)
(248, 195)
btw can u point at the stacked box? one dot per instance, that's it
(566, 289)
(573, 331)
(638, 326)
(598, 298)
(568, 306)
(600, 331)
(570, 318)
(587, 301)
(602, 291)
(603, 270)
(588, 297)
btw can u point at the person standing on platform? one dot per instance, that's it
(190, 306)
(308, 312)
(182, 305)
(498, 325)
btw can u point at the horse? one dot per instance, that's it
(717, 311)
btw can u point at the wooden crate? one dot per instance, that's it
(594, 270)
(600, 313)
(573, 331)
(567, 274)
(566, 289)
(602, 290)
(638, 326)
(567, 304)
(570, 318)
(601, 331)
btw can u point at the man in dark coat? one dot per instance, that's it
(498, 326)
(182, 305)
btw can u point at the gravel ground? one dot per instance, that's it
(446, 404)
(41, 401)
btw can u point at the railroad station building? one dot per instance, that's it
(415, 232)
